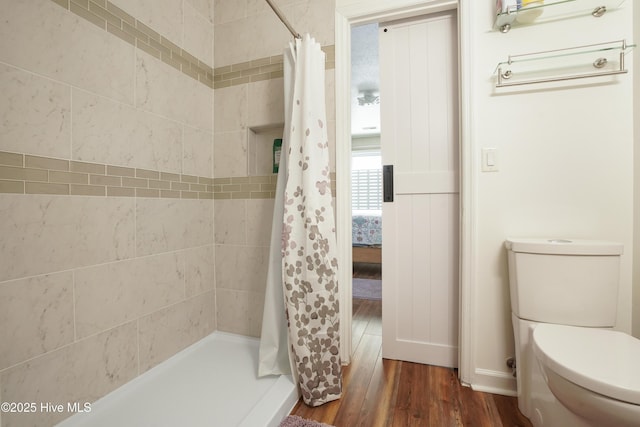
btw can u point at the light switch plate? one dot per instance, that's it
(489, 160)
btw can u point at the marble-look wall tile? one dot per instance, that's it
(42, 37)
(255, 7)
(117, 134)
(230, 154)
(240, 312)
(166, 91)
(231, 108)
(80, 372)
(111, 294)
(241, 267)
(316, 18)
(230, 222)
(35, 114)
(164, 225)
(36, 315)
(163, 16)
(233, 10)
(232, 41)
(331, 133)
(266, 103)
(198, 35)
(259, 221)
(204, 7)
(199, 270)
(197, 157)
(256, 36)
(330, 93)
(229, 10)
(43, 234)
(165, 332)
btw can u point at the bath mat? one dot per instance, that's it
(296, 421)
(367, 289)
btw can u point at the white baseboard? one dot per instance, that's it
(495, 382)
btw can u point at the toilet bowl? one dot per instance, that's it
(573, 369)
(594, 373)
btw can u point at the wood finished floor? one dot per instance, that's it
(383, 393)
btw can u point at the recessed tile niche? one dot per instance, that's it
(260, 148)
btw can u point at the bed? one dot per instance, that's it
(367, 236)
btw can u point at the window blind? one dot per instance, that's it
(366, 189)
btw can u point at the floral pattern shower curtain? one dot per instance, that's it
(309, 261)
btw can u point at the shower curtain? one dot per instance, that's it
(274, 341)
(308, 274)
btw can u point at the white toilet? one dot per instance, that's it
(572, 368)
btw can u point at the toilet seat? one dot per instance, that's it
(603, 361)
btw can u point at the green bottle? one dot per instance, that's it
(277, 149)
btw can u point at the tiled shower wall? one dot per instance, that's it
(107, 183)
(106, 194)
(249, 113)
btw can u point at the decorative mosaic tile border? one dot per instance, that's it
(119, 23)
(111, 18)
(26, 174)
(267, 68)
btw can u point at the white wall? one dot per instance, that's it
(565, 159)
(566, 163)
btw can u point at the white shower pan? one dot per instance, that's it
(213, 382)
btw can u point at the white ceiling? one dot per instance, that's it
(365, 119)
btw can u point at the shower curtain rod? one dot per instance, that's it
(283, 19)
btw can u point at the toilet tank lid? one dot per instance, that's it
(564, 246)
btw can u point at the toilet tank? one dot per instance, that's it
(569, 282)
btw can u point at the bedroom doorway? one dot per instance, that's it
(420, 123)
(366, 185)
(350, 14)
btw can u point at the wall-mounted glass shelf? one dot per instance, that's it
(596, 60)
(539, 11)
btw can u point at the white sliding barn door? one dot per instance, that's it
(419, 126)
